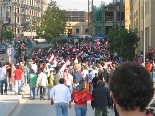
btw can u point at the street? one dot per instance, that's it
(39, 107)
(4, 56)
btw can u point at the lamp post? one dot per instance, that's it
(144, 31)
(15, 22)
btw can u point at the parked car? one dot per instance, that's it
(2, 49)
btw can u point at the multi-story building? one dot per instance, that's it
(136, 18)
(77, 22)
(114, 14)
(127, 14)
(18, 14)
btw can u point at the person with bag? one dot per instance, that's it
(50, 79)
(33, 79)
(42, 83)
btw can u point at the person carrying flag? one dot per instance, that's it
(80, 96)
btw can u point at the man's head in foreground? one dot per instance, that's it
(131, 87)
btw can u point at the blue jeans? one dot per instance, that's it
(61, 109)
(80, 110)
(32, 91)
(70, 88)
(48, 93)
(25, 80)
(9, 84)
(18, 86)
(3, 82)
(42, 91)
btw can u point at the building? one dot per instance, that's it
(18, 15)
(106, 16)
(77, 23)
(127, 14)
(114, 15)
(136, 18)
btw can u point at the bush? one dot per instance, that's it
(35, 49)
(47, 48)
(62, 41)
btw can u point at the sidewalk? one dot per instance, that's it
(9, 102)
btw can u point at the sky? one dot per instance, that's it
(81, 5)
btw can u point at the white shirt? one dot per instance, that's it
(69, 79)
(34, 67)
(2, 73)
(42, 79)
(62, 93)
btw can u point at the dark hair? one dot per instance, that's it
(61, 80)
(132, 86)
(17, 66)
(81, 82)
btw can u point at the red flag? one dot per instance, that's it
(81, 96)
(51, 58)
(80, 54)
(12, 71)
(76, 60)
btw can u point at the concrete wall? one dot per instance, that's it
(136, 19)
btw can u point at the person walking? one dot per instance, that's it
(8, 73)
(3, 79)
(33, 79)
(101, 100)
(77, 75)
(56, 76)
(62, 96)
(50, 82)
(81, 95)
(42, 83)
(18, 79)
(131, 87)
(26, 74)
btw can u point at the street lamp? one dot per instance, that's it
(144, 31)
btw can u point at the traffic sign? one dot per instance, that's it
(10, 51)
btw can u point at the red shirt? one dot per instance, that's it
(18, 74)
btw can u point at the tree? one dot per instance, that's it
(8, 34)
(53, 23)
(124, 42)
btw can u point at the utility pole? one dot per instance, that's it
(15, 22)
(144, 31)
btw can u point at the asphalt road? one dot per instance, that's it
(39, 107)
(4, 56)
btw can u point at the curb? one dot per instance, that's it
(14, 106)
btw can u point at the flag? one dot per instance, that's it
(76, 60)
(12, 71)
(81, 96)
(75, 50)
(51, 58)
(80, 54)
(55, 62)
(9, 58)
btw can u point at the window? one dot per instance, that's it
(86, 30)
(77, 31)
(18, 19)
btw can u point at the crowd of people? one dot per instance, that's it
(81, 73)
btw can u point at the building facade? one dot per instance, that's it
(18, 15)
(127, 14)
(77, 23)
(136, 18)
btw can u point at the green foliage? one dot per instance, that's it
(53, 23)
(47, 48)
(62, 41)
(123, 42)
(35, 49)
(8, 34)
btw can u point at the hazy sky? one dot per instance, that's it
(81, 5)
